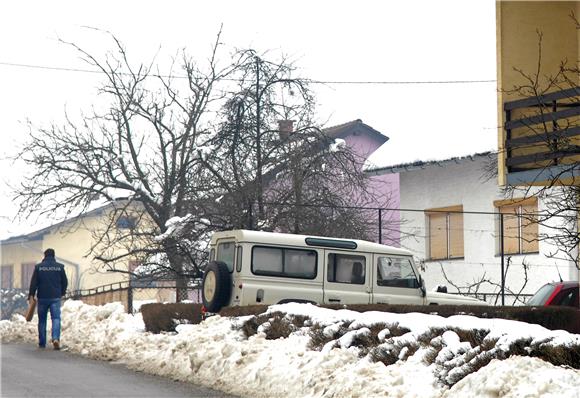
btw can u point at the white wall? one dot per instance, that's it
(461, 182)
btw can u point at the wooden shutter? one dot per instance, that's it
(437, 236)
(511, 238)
(530, 242)
(26, 272)
(455, 235)
(7, 277)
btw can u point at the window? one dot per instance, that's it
(7, 280)
(239, 259)
(291, 263)
(225, 253)
(445, 226)
(520, 228)
(344, 268)
(26, 272)
(396, 272)
(125, 222)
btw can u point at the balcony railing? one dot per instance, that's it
(542, 140)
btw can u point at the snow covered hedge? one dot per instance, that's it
(423, 355)
(13, 301)
(455, 348)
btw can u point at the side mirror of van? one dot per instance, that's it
(422, 286)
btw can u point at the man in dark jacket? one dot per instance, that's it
(49, 280)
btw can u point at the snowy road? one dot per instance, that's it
(28, 372)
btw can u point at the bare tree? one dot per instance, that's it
(145, 145)
(191, 152)
(275, 168)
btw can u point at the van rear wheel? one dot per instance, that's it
(216, 286)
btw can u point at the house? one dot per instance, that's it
(364, 141)
(71, 239)
(450, 220)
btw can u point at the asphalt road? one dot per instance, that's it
(30, 372)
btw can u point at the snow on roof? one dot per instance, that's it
(371, 168)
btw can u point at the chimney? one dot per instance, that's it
(285, 128)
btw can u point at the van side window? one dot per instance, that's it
(239, 259)
(289, 263)
(344, 268)
(225, 253)
(396, 272)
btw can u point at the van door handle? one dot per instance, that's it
(334, 300)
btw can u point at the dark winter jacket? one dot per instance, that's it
(49, 279)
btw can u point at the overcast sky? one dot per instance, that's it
(382, 41)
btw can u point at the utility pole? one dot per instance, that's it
(259, 142)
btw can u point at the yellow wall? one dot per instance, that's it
(517, 24)
(72, 242)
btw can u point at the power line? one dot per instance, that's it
(345, 82)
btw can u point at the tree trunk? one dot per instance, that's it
(176, 262)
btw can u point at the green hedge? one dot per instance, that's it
(165, 317)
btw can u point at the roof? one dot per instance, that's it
(423, 164)
(353, 127)
(38, 234)
(283, 239)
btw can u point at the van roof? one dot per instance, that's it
(243, 235)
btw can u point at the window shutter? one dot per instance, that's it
(510, 230)
(455, 235)
(437, 236)
(26, 271)
(530, 242)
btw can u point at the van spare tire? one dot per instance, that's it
(216, 286)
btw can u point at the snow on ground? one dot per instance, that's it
(216, 354)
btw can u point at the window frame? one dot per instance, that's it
(446, 212)
(239, 258)
(217, 253)
(335, 254)
(11, 268)
(400, 258)
(282, 274)
(518, 205)
(25, 277)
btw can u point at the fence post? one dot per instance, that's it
(130, 298)
(380, 226)
(501, 250)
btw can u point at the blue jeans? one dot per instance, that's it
(43, 306)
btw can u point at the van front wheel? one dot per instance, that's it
(216, 286)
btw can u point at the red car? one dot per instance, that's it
(556, 293)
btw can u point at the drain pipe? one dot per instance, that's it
(77, 281)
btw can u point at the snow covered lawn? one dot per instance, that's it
(416, 355)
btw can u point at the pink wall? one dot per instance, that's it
(386, 186)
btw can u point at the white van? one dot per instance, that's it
(253, 267)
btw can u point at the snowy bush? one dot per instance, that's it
(13, 301)
(453, 351)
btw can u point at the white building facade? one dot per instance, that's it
(450, 220)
